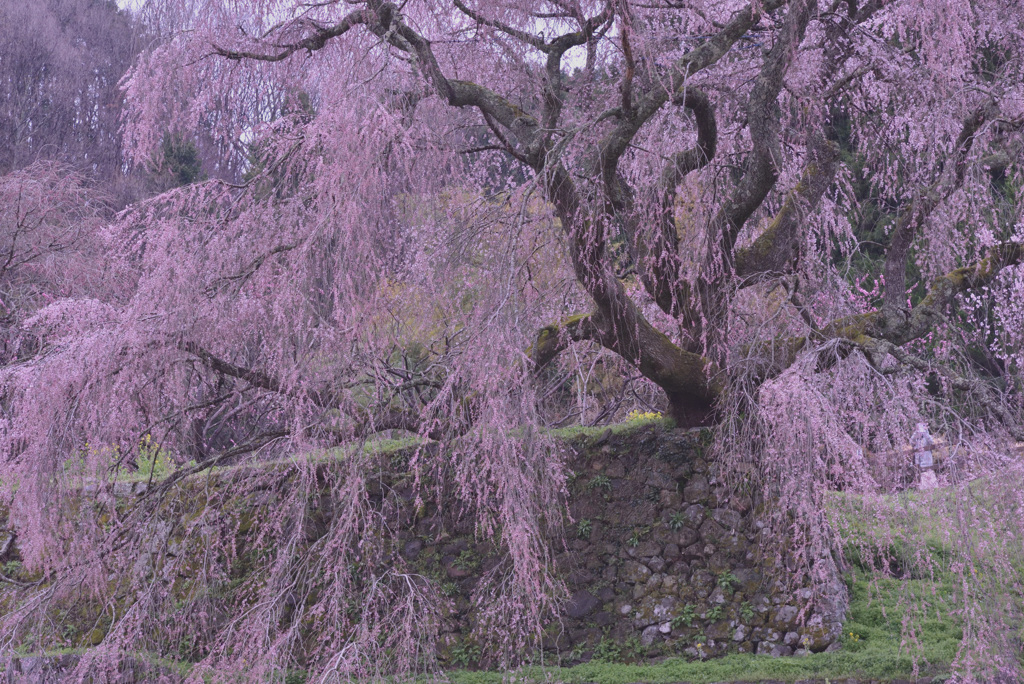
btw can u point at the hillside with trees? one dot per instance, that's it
(238, 234)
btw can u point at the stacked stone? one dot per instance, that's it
(671, 561)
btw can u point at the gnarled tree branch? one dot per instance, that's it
(715, 287)
(778, 247)
(660, 260)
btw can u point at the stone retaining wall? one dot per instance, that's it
(659, 561)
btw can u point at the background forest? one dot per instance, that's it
(241, 233)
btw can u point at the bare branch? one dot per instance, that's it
(877, 333)
(762, 166)
(312, 43)
(383, 20)
(253, 377)
(626, 87)
(554, 91)
(522, 36)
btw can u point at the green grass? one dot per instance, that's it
(576, 432)
(154, 464)
(160, 468)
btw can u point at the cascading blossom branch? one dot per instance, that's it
(439, 210)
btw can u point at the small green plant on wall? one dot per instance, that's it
(852, 642)
(677, 521)
(636, 648)
(685, 617)
(700, 643)
(468, 560)
(584, 528)
(727, 581)
(12, 568)
(607, 651)
(638, 534)
(465, 653)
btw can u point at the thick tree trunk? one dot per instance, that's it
(688, 411)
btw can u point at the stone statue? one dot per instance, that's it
(921, 442)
